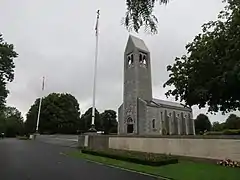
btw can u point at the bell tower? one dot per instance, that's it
(137, 81)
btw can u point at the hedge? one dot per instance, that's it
(225, 132)
(134, 157)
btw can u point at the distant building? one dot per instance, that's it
(140, 113)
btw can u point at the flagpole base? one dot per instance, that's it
(92, 129)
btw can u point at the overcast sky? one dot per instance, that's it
(55, 38)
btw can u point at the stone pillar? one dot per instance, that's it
(183, 126)
(186, 124)
(194, 133)
(170, 124)
(191, 125)
(179, 125)
(161, 123)
(166, 122)
(175, 123)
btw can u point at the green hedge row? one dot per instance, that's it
(225, 132)
(134, 157)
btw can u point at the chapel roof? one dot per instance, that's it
(138, 43)
(164, 103)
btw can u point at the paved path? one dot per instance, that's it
(32, 160)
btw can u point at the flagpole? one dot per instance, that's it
(39, 108)
(95, 75)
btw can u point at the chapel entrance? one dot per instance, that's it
(130, 128)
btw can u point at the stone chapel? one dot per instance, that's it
(140, 113)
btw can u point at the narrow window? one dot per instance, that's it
(153, 123)
(130, 60)
(143, 59)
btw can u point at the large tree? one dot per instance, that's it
(140, 13)
(109, 121)
(202, 124)
(86, 121)
(209, 75)
(232, 122)
(11, 122)
(218, 126)
(60, 113)
(7, 55)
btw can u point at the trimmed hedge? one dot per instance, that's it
(134, 157)
(225, 132)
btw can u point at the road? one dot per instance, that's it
(33, 160)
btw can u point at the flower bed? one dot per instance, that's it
(135, 157)
(229, 163)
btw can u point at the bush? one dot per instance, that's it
(231, 132)
(135, 157)
(214, 133)
(225, 132)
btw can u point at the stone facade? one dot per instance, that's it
(140, 113)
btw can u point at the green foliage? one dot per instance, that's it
(59, 114)
(214, 133)
(224, 132)
(109, 121)
(135, 157)
(7, 54)
(210, 72)
(86, 121)
(202, 124)
(232, 122)
(140, 13)
(11, 122)
(105, 121)
(218, 126)
(231, 132)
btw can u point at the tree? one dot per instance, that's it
(218, 126)
(2, 123)
(202, 124)
(209, 75)
(109, 121)
(11, 122)
(60, 113)
(232, 122)
(140, 13)
(7, 55)
(86, 121)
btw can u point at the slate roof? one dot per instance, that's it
(138, 43)
(164, 103)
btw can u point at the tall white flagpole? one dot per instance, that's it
(95, 72)
(40, 104)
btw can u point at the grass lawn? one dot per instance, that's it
(184, 170)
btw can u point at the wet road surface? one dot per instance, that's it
(33, 160)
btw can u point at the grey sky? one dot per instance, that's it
(56, 39)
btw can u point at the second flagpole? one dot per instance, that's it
(92, 129)
(39, 108)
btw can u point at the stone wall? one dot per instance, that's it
(215, 147)
(201, 148)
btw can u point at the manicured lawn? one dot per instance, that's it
(184, 170)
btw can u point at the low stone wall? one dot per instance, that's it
(210, 147)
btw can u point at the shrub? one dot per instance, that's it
(225, 132)
(135, 157)
(214, 133)
(231, 132)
